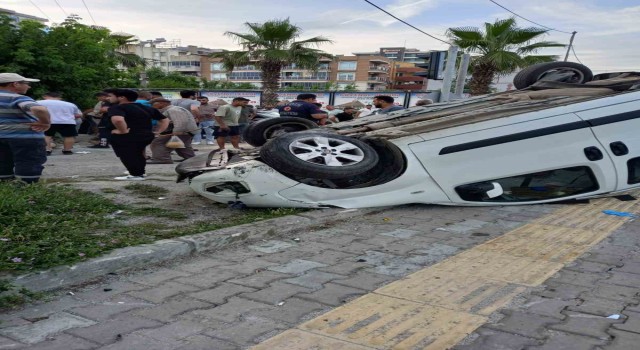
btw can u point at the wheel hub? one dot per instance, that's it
(324, 150)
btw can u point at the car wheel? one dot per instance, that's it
(318, 155)
(567, 72)
(257, 134)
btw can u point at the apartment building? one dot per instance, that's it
(290, 75)
(365, 72)
(405, 76)
(398, 54)
(170, 57)
(17, 17)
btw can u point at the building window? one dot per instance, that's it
(633, 165)
(185, 63)
(346, 76)
(217, 66)
(218, 76)
(532, 187)
(347, 65)
(245, 76)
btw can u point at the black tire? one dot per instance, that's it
(544, 71)
(257, 134)
(318, 155)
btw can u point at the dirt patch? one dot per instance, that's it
(95, 172)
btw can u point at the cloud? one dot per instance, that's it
(403, 9)
(607, 31)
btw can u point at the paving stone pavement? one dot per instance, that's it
(590, 304)
(235, 298)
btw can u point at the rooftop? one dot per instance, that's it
(22, 15)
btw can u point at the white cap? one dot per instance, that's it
(13, 77)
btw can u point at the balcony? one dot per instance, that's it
(378, 69)
(299, 69)
(379, 60)
(184, 69)
(304, 78)
(245, 78)
(245, 68)
(377, 80)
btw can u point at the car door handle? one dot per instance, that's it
(593, 153)
(619, 148)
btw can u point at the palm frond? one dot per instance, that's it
(536, 46)
(232, 59)
(529, 60)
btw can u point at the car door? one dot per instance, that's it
(618, 129)
(525, 162)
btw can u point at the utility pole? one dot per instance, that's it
(449, 69)
(573, 35)
(462, 75)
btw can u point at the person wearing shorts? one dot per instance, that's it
(63, 121)
(227, 117)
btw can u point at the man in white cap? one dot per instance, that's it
(22, 126)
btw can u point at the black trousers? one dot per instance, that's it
(130, 149)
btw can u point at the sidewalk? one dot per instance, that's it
(481, 278)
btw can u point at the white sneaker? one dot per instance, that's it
(210, 143)
(129, 178)
(127, 173)
(195, 143)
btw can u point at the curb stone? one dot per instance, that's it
(164, 250)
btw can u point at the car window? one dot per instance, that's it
(633, 165)
(532, 187)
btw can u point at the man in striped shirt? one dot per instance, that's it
(22, 126)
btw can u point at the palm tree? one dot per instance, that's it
(499, 49)
(272, 45)
(120, 54)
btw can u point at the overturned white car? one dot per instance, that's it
(553, 141)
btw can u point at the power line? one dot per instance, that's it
(90, 15)
(39, 9)
(576, 56)
(421, 31)
(63, 11)
(528, 20)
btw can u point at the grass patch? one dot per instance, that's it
(158, 212)
(146, 191)
(42, 226)
(11, 297)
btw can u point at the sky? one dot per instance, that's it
(606, 39)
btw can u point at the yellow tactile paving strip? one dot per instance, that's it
(438, 306)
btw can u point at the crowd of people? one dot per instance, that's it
(135, 122)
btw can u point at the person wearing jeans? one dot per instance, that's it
(207, 121)
(22, 126)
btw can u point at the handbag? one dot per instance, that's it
(175, 142)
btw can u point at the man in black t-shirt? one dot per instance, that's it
(303, 107)
(130, 125)
(346, 115)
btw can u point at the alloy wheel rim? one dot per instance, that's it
(327, 151)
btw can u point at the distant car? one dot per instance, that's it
(553, 141)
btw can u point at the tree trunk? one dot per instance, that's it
(270, 81)
(481, 79)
